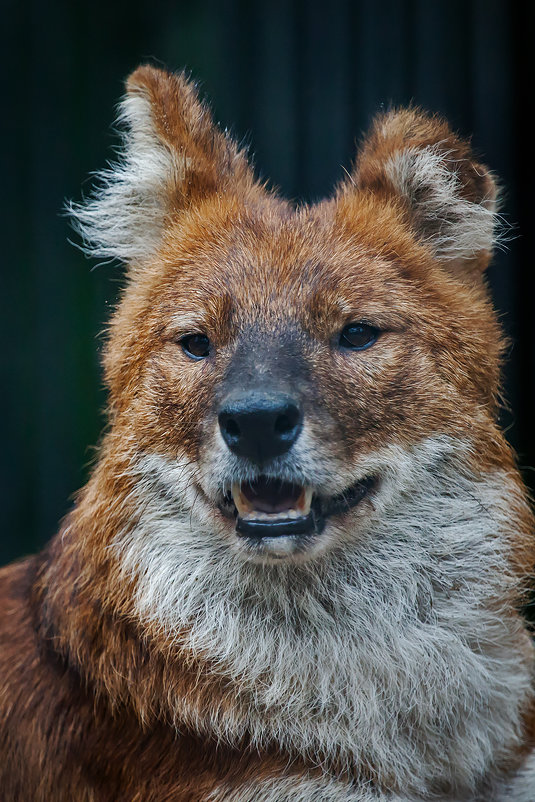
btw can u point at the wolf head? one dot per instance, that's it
(275, 361)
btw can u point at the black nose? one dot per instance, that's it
(260, 426)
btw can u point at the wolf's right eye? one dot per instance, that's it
(196, 346)
(358, 336)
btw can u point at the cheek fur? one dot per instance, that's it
(179, 393)
(389, 393)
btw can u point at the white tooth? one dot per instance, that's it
(284, 515)
(241, 503)
(304, 501)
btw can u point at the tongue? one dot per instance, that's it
(271, 496)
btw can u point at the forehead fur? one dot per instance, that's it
(355, 255)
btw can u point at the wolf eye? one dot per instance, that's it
(358, 336)
(196, 346)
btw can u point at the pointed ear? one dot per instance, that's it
(173, 155)
(448, 198)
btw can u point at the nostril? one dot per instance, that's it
(284, 424)
(232, 428)
(286, 421)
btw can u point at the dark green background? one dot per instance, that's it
(299, 81)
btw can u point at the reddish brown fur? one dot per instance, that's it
(88, 698)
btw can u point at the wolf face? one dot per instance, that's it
(304, 489)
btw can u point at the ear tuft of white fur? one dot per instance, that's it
(124, 216)
(453, 226)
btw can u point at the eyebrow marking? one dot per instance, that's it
(185, 323)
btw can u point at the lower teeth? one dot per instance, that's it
(272, 516)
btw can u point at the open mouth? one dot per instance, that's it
(269, 507)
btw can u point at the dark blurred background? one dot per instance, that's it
(300, 82)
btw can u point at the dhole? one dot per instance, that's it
(296, 571)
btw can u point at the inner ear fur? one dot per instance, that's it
(448, 198)
(172, 156)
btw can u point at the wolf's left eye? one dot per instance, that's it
(196, 346)
(358, 336)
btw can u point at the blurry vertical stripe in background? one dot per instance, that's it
(297, 80)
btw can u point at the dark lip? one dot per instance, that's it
(305, 526)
